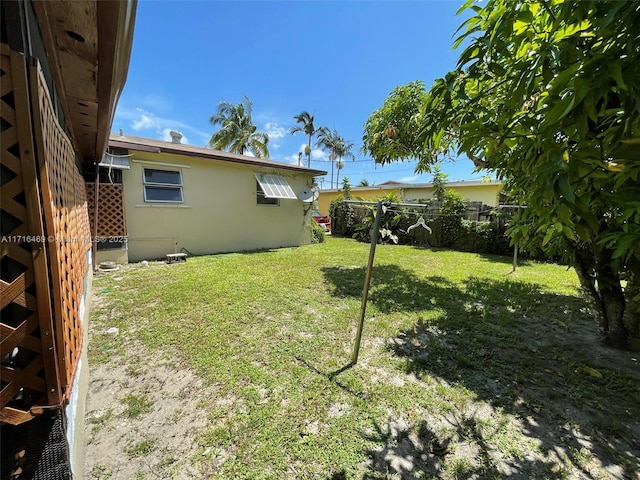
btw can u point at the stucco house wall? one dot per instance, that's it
(486, 193)
(219, 212)
(365, 193)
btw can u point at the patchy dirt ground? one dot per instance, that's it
(142, 414)
(117, 442)
(145, 418)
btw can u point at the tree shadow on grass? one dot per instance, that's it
(519, 351)
(506, 259)
(421, 451)
(393, 289)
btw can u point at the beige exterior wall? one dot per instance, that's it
(487, 193)
(219, 212)
(327, 196)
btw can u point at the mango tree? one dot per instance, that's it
(546, 94)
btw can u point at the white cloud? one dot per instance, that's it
(274, 131)
(317, 154)
(148, 124)
(293, 159)
(145, 122)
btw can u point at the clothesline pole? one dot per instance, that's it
(367, 282)
(515, 251)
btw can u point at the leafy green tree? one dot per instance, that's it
(337, 146)
(391, 132)
(546, 95)
(451, 213)
(346, 188)
(364, 183)
(305, 121)
(237, 132)
(439, 183)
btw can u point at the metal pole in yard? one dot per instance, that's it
(515, 251)
(367, 282)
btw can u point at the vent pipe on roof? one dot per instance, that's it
(175, 136)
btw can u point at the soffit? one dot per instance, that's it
(88, 44)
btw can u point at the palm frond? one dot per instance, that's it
(237, 132)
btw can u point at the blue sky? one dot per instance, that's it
(337, 60)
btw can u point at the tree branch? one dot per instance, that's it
(546, 7)
(477, 161)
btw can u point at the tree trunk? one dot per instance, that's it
(331, 172)
(601, 283)
(613, 306)
(632, 312)
(586, 275)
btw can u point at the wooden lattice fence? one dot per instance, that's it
(41, 323)
(65, 205)
(111, 219)
(29, 367)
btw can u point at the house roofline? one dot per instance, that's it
(159, 146)
(409, 186)
(459, 183)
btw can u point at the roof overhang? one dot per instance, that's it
(141, 144)
(88, 44)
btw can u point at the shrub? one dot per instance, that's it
(450, 230)
(452, 213)
(317, 233)
(341, 217)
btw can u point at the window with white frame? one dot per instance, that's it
(161, 185)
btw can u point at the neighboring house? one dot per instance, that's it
(186, 199)
(473, 191)
(62, 68)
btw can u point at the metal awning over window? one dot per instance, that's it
(275, 186)
(119, 162)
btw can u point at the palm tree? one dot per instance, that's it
(344, 150)
(337, 146)
(237, 132)
(327, 141)
(305, 119)
(364, 183)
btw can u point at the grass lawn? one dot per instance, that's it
(465, 370)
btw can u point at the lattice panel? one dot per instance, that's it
(65, 206)
(29, 375)
(83, 212)
(111, 221)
